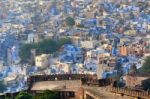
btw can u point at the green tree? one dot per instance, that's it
(63, 41)
(23, 95)
(25, 51)
(121, 21)
(7, 98)
(47, 94)
(120, 84)
(47, 46)
(119, 69)
(132, 15)
(70, 21)
(133, 69)
(146, 84)
(146, 66)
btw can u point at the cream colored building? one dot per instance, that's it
(130, 32)
(148, 26)
(103, 55)
(42, 61)
(11, 79)
(76, 40)
(87, 44)
(66, 67)
(99, 71)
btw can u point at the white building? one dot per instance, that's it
(42, 61)
(65, 67)
(12, 79)
(87, 44)
(33, 38)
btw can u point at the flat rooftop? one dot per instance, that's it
(65, 85)
(102, 93)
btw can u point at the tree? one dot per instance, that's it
(132, 15)
(25, 51)
(48, 46)
(70, 21)
(47, 94)
(23, 95)
(7, 98)
(118, 67)
(121, 21)
(146, 84)
(146, 66)
(133, 69)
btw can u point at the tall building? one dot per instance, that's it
(33, 55)
(100, 71)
